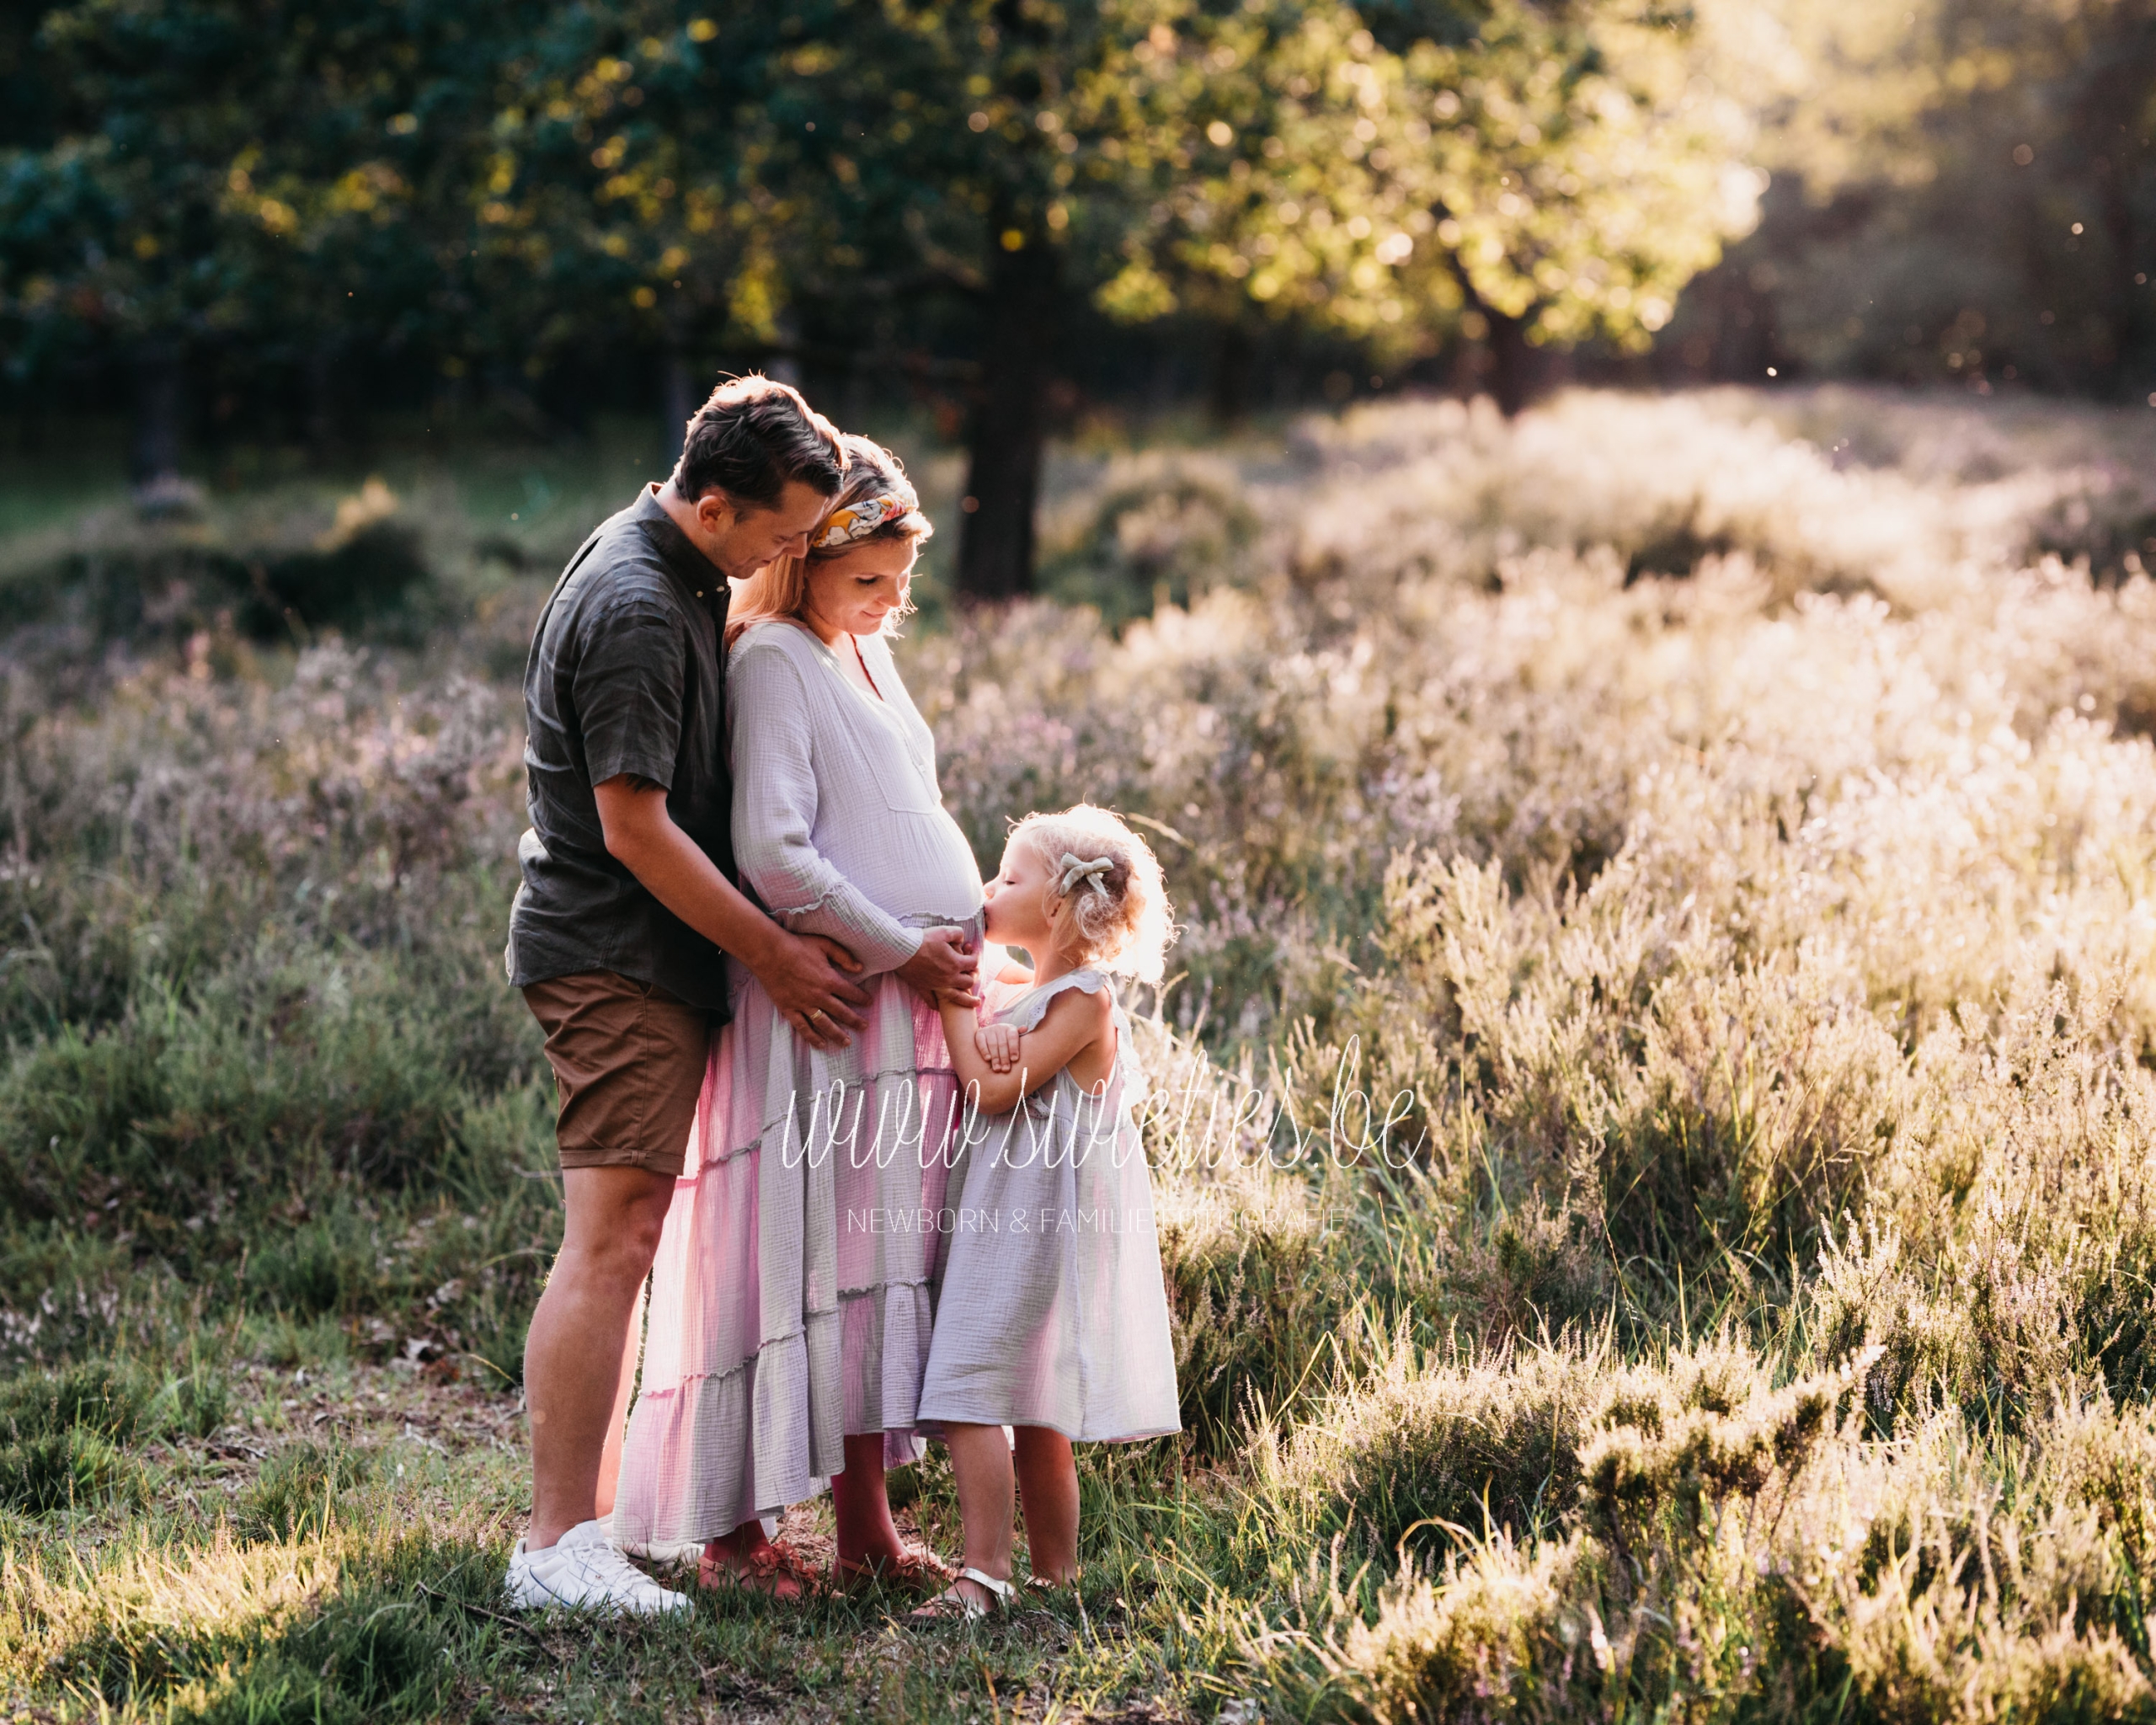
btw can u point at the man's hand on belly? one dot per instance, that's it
(805, 975)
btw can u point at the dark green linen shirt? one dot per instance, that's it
(627, 676)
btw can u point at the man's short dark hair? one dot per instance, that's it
(754, 437)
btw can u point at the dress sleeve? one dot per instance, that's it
(1027, 1012)
(774, 813)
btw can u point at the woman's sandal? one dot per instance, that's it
(916, 1570)
(774, 1568)
(951, 1604)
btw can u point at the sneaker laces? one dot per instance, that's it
(606, 1563)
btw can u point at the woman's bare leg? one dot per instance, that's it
(862, 1506)
(746, 1556)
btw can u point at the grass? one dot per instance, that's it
(1652, 1117)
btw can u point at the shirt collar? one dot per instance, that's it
(702, 577)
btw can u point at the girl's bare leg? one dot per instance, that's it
(1047, 1488)
(981, 1460)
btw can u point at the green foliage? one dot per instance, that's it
(301, 1486)
(61, 1470)
(96, 1395)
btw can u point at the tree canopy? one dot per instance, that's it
(516, 194)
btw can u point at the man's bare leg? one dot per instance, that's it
(573, 1357)
(610, 1458)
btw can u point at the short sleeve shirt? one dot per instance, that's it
(627, 676)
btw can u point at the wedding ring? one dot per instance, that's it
(817, 1012)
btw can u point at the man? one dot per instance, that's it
(619, 933)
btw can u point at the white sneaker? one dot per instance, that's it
(585, 1571)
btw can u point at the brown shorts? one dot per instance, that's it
(629, 1062)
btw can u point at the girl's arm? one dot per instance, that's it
(1075, 1022)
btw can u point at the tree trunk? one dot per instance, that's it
(323, 438)
(677, 396)
(1003, 478)
(1232, 357)
(153, 452)
(2108, 118)
(1512, 378)
(1511, 362)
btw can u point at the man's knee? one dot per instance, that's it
(615, 1216)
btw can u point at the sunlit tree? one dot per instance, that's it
(1578, 165)
(1022, 157)
(638, 180)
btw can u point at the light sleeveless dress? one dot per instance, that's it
(790, 1302)
(1051, 1310)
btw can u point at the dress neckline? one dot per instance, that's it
(881, 699)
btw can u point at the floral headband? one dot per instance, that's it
(866, 516)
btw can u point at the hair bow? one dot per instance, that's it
(863, 517)
(1077, 868)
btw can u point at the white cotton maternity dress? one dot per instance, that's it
(1052, 1310)
(790, 1302)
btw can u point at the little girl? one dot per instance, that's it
(1052, 1318)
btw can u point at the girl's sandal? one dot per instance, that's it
(953, 1606)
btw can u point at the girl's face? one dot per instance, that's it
(1018, 899)
(853, 593)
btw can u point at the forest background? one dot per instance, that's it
(284, 224)
(1607, 544)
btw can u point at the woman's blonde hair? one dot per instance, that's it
(875, 485)
(1123, 924)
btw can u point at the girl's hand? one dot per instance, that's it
(997, 1045)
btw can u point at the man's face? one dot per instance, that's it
(741, 540)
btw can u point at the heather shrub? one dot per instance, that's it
(1741, 1550)
(1257, 1281)
(1433, 1452)
(1650, 1122)
(1156, 526)
(281, 565)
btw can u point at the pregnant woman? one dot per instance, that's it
(790, 1304)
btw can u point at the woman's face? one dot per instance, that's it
(1016, 900)
(853, 593)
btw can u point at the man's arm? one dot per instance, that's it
(799, 974)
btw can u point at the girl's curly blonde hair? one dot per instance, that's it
(1124, 923)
